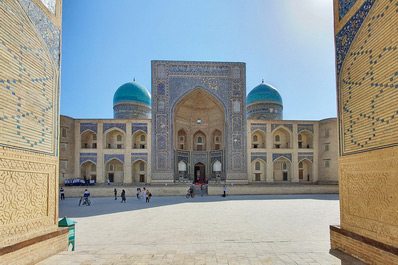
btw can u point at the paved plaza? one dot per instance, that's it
(274, 229)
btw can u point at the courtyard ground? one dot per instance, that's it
(268, 229)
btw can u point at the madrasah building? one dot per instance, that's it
(198, 125)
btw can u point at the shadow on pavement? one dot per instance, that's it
(108, 205)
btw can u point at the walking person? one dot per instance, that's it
(123, 196)
(115, 192)
(148, 196)
(225, 191)
(138, 193)
(62, 192)
(201, 190)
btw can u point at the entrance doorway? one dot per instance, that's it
(284, 176)
(111, 177)
(199, 172)
(301, 174)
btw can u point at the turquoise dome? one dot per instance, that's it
(264, 93)
(132, 91)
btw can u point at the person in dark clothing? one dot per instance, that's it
(62, 192)
(123, 196)
(115, 192)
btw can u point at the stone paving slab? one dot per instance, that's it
(273, 229)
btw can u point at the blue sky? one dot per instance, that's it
(288, 43)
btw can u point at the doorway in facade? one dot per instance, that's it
(111, 177)
(200, 173)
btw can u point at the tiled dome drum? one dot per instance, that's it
(264, 103)
(132, 101)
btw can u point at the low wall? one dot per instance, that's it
(181, 190)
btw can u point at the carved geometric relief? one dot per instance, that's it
(368, 194)
(27, 194)
(29, 198)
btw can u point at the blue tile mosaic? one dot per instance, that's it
(84, 126)
(276, 156)
(108, 157)
(347, 34)
(107, 126)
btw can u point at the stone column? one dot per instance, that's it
(101, 178)
(269, 146)
(294, 165)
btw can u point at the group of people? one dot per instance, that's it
(144, 193)
(79, 182)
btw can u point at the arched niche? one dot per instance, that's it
(258, 139)
(305, 171)
(281, 138)
(114, 170)
(282, 170)
(259, 169)
(114, 139)
(140, 140)
(88, 139)
(199, 111)
(199, 141)
(305, 139)
(182, 140)
(217, 140)
(139, 171)
(88, 171)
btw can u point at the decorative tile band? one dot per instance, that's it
(88, 126)
(276, 156)
(121, 126)
(347, 34)
(108, 157)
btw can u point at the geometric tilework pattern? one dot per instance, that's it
(262, 156)
(88, 126)
(121, 126)
(28, 84)
(259, 126)
(308, 127)
(347, 34)
(287, 156)
(345, 6)
(369, 83)
(289, 126)
(308, 156)
(139, 156)
(139, 126)
(84, 157)
(108, 157)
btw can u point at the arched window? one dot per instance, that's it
(217, 139)
(284, 166)
(277, 138)
(257, 166)
(111, 167)
(119, 138)
(300, 137)
(94, 137)
(142, 137)
(301, 164)
(93, 167)
(199, 140)
(255, 138)
(182, 139)
(142, 166)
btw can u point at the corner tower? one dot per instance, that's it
(264, 103)
(132, 101)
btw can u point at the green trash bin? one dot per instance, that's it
(66, 222)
